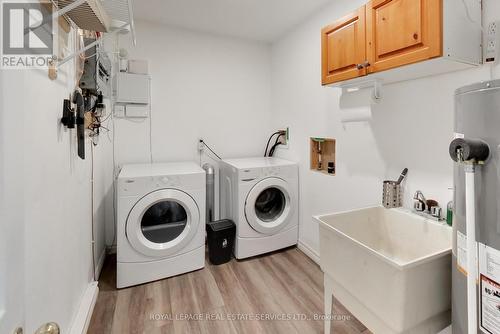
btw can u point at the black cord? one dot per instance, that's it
(205, 144)
(276, 144)
(269, 141)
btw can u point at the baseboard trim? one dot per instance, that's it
(82, 320)
(447, 330)
(100, 264)
(311, 253)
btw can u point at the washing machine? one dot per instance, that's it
(160, 221)
(261, 196)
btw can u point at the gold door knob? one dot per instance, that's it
(48, 328)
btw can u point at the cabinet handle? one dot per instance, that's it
(363, 65)
(48, 328)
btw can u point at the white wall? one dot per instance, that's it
(103, 191)
(56, 197)
(11, 209)
(203, 86)
(412, 127)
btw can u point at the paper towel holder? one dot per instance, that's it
(374, 83)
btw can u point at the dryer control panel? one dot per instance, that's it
(247, 175)
(271, 171)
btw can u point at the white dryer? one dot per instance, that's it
(160, 221)
(261, 196)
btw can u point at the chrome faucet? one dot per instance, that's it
(426, 208)
(420, 201)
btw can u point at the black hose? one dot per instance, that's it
(269, 141)
(276, 144)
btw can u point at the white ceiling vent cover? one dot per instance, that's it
(90, 15)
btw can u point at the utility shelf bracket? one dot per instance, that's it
(91, 45)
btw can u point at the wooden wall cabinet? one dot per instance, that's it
(389, 34)
(343, 44)
(400, 32)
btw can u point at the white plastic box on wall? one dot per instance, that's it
(136, 111)
(132, 88)
(138, 66)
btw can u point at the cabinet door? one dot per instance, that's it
(343, 46)
(400, 32)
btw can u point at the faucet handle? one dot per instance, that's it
(436, 211)
(419, 205)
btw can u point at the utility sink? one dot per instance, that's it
(390, 268)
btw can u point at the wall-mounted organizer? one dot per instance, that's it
(323, 155)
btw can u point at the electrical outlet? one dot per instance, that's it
(492, 43)
(492, 28)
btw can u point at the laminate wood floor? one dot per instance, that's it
(223, 299)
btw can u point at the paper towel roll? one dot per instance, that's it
(356, 105)
(357, 98)
(360, 114)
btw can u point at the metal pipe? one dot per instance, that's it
(210, 196)
(470, 212)
(470, 153)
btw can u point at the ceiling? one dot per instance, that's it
(262, 20)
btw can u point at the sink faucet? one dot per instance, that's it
(426, 208)
(420, 201)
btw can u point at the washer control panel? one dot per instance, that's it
(167, 181)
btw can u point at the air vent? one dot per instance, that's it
(90, 15)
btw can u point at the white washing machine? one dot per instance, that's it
(161, 221)
(261, 196)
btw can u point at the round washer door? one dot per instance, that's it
(162, 222)
(268, 205)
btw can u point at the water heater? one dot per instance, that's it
(477, 188)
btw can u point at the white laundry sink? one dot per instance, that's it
(390, 268)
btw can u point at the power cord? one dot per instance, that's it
(276, 144)
(269, 140)
(92, 210)
(202, 142)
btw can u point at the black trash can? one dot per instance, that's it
(220, 235)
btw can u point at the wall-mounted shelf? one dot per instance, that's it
(121, 11)
(322, 153)
(86, 14)
(111, 16)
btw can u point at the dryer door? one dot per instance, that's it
(162, 222)
(268, 206)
